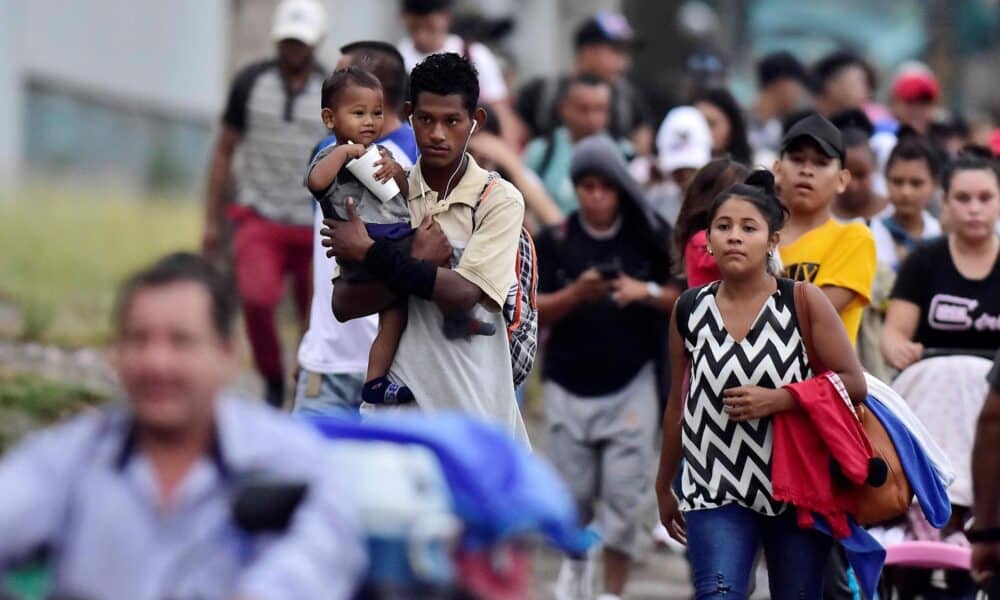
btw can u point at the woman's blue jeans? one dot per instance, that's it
(723, 542)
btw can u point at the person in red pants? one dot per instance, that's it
(271, 119)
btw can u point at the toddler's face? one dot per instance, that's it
(357, 116)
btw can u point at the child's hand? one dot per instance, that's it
(387, 168)
(353, 151)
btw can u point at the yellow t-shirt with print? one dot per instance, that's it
(836, 254)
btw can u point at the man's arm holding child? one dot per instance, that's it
(352, 300)
(484, 272)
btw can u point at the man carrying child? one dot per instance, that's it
(481, 218)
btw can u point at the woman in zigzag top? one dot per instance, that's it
(736, 342)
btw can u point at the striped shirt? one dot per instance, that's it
(279, 130)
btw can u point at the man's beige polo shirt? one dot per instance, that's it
(468, 375)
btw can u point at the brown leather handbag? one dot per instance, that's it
(875, 504)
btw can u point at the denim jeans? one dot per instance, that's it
(722, 544)
(328, 395)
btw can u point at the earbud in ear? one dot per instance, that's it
(410, 119)
(474, 125)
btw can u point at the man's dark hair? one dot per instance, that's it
(832, 64)
(384, 61)
(914, 147)
(182, 267)
(491, 124)
(780, 65)
(340, 79)
(424, 7)
(444, 75)
(855, 127)
(587, 79)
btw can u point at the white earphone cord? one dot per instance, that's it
(465, 148)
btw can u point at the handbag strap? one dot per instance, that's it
(805, 326)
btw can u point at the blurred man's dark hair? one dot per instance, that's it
(182, 267)
(830, 65)
(780, 65)
(384, 61)
(605, 28)
(585, 79)
(425, 7)
(853, 120)
(491, 124)
(446, 74)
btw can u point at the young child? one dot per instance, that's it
(838, 257)
(352, 110)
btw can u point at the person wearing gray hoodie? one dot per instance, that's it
(603, 292)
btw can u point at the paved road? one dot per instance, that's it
(660, 574)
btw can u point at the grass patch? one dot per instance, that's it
(63, 253)
(29, 401)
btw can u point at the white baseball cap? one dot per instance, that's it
(683, 141)
(302, 20)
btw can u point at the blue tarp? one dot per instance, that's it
(500, 490)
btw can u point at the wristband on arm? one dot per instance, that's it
(402, 273)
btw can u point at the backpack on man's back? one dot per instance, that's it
(520, 311)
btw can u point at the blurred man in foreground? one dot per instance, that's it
(135, 502)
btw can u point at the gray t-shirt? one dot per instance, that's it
(277, 130)
(370, 208)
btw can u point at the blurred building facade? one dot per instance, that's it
(110, 90)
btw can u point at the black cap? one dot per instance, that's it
(425, 7)
(605, 27)
(819, 130)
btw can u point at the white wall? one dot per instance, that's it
(10, 97)
(168, 55)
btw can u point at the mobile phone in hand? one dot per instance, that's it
(609, 272)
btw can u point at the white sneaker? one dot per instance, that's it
(576, 580)
(609, 597)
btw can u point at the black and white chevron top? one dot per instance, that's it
(726, 461)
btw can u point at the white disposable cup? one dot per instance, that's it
(364, 169)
